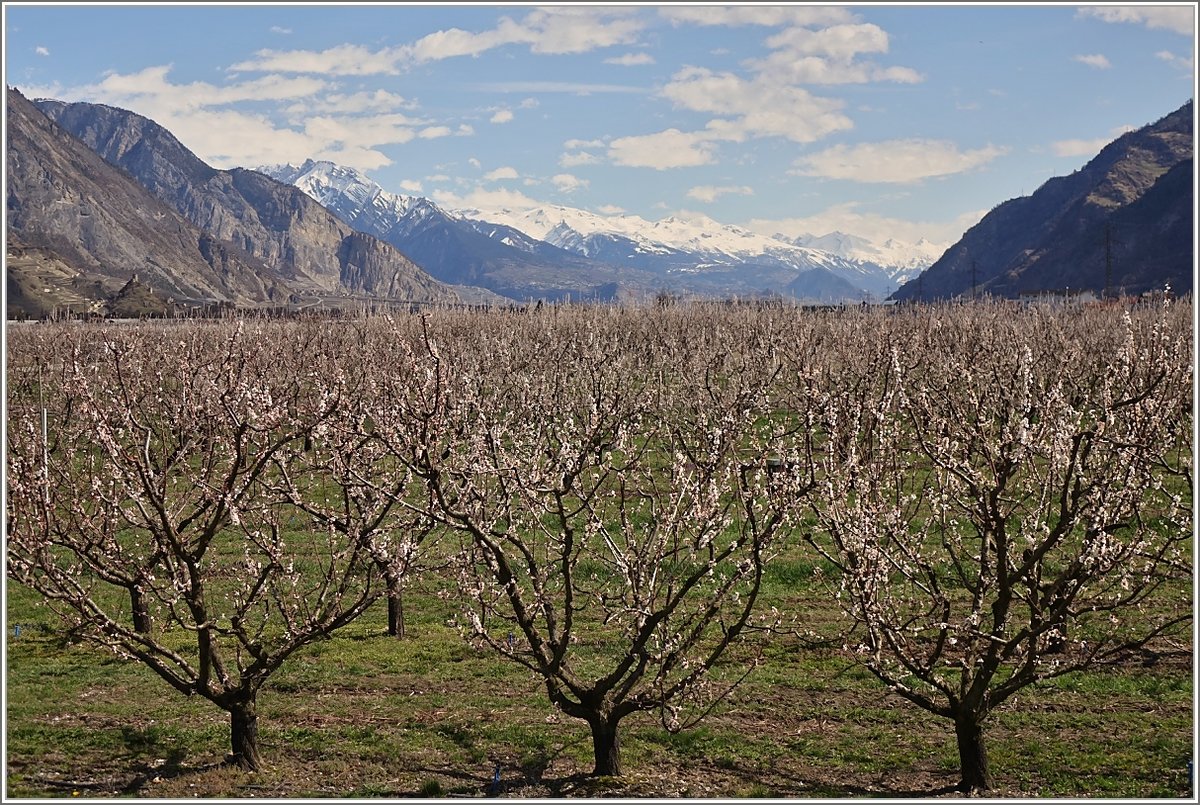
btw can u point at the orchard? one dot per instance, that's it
(688, 532)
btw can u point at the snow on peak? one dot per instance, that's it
(892, 252)
(338, 186)
(571, 228)
(568, 227)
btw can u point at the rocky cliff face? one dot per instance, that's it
(273, 222)
(1123, 224)
(85, 228)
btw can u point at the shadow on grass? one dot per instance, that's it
(826, 788)
(126, 785)
(505, 776)
(773, 784)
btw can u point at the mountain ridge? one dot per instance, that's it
(78, 228)
(453, 250)
(675, 254)
(1061, 236)
(319, 256)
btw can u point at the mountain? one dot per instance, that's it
(695, 254)
(822, 286)
(553, 250)
(321, 259)
(900, 260)
(1123, 223)
(78, 229)
(456, 251)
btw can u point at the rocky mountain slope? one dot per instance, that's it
(1122, 224)
(79, 229)
(321, 259)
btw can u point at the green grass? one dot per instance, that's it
(364, 714)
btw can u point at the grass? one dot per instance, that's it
(367, 715)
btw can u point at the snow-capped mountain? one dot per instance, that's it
(350, 195)
(496, 257)
(900, 259)
(552, 250)
(699, 245)
(573, 229)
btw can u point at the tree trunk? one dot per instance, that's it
(606, 745)
(395, 605)
(972, 755)
(243, 736)
(141, 612)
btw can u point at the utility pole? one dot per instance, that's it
(1108, 260)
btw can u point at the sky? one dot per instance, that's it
(882, 121)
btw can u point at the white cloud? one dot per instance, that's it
(755, 15)
(198, 114)
(433, 132)
(817, 45)
(575, 87)
(260, 142)
(410, 186)
(572, 160)
(761, 106)
(1097, 60)
(339, 60)
(457, 42)
(837, 41)
(567, 183)
(42, 51)
(360, 131)
(150, 85)
(485, 199)
(827, 56)
(1173, 18)
(709, 193)
(569, 144)
(1184, 63)
(502, 116)
(784, 67)
(1079, 148)
(528, 103)
(570, 29)
(474, 163)
(631, 59)
(894, 161)
(610, 209)
(437, 177)
(543, 30)
(666, 149)
(501, 173)
(277, 29)
(877, 228)
(1086, 148)
(357, 103)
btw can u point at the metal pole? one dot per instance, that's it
(45, 441)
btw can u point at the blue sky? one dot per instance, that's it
(879, 120)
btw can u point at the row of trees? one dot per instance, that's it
(1005, 494)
